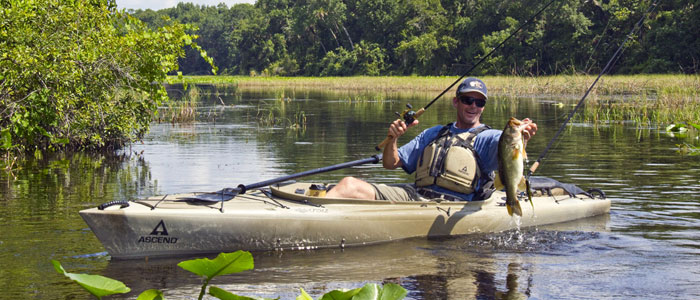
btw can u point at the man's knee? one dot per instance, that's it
(351, 187)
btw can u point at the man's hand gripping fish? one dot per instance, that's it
(511, 158)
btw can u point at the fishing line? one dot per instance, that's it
(609, 65)
(489, 54)
(409, 116)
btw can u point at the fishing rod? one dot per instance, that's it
(608, 65)
(409, 116)
(229, 193)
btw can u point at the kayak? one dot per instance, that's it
(294, 216)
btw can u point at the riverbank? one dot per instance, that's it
(645, 99)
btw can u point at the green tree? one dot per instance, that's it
(80, 74)
(364, 59)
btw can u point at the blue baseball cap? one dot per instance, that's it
(472, 84)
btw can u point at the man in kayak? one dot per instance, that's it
(451, 162)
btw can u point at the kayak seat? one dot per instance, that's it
(547, 186)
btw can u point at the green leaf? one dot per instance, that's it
(340, 294)
(304, 296)
(98, 286)
(392, 291)
(151, 294)
(224, 295)
(225, 263)
(370, 291)
(695, 125)
(5, 139)
(676, 128)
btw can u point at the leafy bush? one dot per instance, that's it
(80, 74)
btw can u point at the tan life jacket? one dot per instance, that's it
(462, 172)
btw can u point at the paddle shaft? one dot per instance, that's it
(241, 189)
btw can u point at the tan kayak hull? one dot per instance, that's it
(286, 220)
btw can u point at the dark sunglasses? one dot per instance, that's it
(466, 100)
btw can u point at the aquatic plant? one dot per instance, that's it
(178, 112)
(223, 264)
(680, 131)
(98, 286)
(642, 99)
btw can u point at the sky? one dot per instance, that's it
(160, 4)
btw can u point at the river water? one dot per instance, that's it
(648, 247)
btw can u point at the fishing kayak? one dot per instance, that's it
(292, 216)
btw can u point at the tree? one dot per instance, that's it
(80, 74)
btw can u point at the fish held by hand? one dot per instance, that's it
(511, 159)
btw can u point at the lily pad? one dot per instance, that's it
(223, 264)
(97, 285)
(151, 294)
(224, 295)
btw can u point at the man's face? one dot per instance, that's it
(468, 110)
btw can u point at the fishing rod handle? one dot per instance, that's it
(388, 139)
(383, 144)
(534, 166)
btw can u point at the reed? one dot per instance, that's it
(642, 99)
(178, 112)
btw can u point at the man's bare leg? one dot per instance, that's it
(351, 187)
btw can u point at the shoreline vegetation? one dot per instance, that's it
(643, 99)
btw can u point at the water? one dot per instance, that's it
(647, 247)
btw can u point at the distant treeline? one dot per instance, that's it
(432, 37)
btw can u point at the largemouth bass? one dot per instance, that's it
(511, 161)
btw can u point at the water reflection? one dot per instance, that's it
(646, 248)
(430, 269)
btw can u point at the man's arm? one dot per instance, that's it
(390, 158)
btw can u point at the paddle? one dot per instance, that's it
(229, 193)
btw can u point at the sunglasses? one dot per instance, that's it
(466, 100)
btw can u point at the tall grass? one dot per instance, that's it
(643, 99)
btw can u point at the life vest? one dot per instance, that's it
(450, 161)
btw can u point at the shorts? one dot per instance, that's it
(396, 192)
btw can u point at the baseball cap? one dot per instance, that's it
(472, 84)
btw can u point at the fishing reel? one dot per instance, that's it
(408, 115)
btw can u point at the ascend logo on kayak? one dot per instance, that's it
(158, 235)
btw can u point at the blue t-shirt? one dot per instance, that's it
(485, 144)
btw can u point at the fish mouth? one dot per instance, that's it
(513, 122)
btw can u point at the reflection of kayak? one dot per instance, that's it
(284, 217)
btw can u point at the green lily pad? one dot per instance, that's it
(97, 285)
(224, 295)
(151, 294)
(223, 264)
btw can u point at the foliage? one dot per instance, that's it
(80, 74)
(97, 285)
(223, 264)
(406, 37)
(680, 131)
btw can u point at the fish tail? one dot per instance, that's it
(514, 209)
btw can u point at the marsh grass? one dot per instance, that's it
(178, 112)
(642, 99)
(498, 85)
(275, 113)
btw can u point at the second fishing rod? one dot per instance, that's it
(409, 116)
